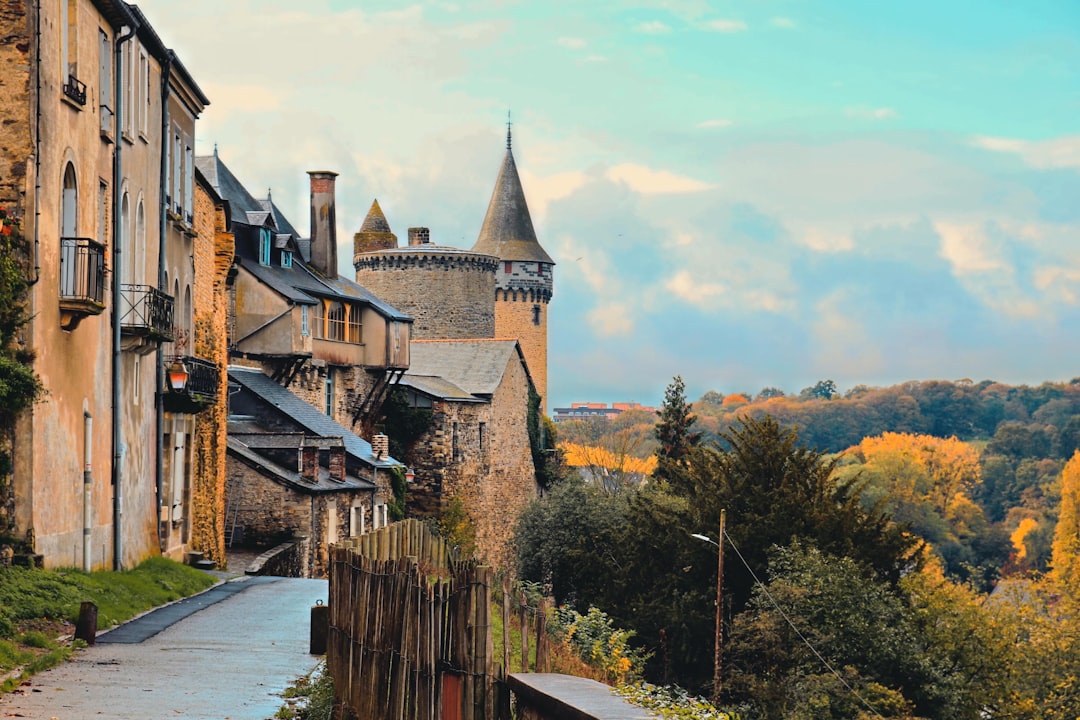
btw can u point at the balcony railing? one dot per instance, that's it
(75, 90)
(200, 390)
(82, 275)
(145, 310)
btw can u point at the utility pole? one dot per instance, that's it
(719, 610)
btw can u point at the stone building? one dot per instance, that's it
(479, 353)
(477, 448)
(295, 473)
(499, 289)
(329, 340)
(97, 113)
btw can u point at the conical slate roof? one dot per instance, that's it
(375, 220)
(508, 232)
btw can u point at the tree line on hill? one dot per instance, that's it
(920, 573)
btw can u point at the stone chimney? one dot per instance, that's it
(323, 223)
(309, 463)
(337, 463)
(380, 445)
(419, 236)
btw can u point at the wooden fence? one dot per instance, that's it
(410, 629)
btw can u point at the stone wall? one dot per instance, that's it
(518, 316)
(491, 471)
(214, 249)
(17, 20)
(448, 292)
(271, 512)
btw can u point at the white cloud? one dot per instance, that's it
(714, 123)
(724, 25)
(967, 249)
(647, 181)
(826, 240)
(572, 42)
(869, 113)
(611, 320)
(654, 27)
(544, 190)
(241, 97)
(684, 286)
(783, 22)
(1059, 152)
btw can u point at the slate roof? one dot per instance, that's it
(299, 283)
(437, 387)
(305, 415)
(375, 220)
(241, 449)
(475, 366)
(508, 231)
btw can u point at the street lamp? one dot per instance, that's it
(719, 601)
(178, 376)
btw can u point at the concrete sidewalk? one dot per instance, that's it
(231, 659)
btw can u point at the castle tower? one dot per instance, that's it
(524, 280)
(447, 291)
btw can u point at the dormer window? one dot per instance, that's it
(286, 258)
(264, 246)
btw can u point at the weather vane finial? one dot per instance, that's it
(507, 128)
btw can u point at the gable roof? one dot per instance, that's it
(437, 387)
(304, 414)
(299, 283)
(507, 232)
(245, 447)
(476, 366)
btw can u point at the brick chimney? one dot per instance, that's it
(380, 446)
(337, 463)
(419, 236)
(309, 463)
(323, 222)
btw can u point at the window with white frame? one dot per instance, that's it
(105, 79)
(144, 91)
(305, 320)
(189, 180)
(127, 55)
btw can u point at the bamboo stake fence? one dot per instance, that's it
(410, 630)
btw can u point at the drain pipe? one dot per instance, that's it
(37, 155)
(159, 370)
(88, 486)
(118, 447)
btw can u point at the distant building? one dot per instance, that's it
(582, 410)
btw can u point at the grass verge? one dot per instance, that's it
(38, 606)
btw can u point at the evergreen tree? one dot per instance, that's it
(674, 433)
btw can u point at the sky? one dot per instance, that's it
(746, 193)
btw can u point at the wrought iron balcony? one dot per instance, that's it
(75, 90)
(191, 384)
(82, 276)
(146, 311)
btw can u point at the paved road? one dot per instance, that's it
(224, 655)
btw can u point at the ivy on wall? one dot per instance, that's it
(19, 385)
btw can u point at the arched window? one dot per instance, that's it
(335, 320)
(125, 239)
(69, 222)
(187, 321)
(138, 248)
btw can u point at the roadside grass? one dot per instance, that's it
(515, 641)
(39, 606)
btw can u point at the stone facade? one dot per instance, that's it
(213, 265)
(94, 231)
(522, 314)
(447, 291)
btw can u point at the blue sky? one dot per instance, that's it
(746, 193)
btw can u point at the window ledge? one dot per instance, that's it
(71, 103)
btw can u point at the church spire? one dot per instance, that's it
(507, 232)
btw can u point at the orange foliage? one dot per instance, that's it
(943, 467)
(1026, 526)
(588, 456)
(735, 399)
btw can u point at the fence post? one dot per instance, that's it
(524, 633)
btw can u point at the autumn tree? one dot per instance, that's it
(1065, 559)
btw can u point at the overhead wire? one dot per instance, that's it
(802, 637)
